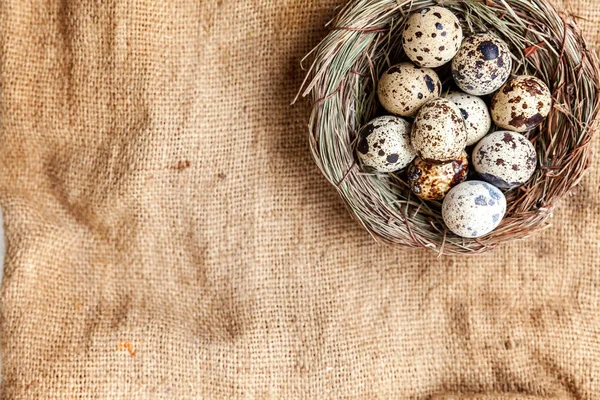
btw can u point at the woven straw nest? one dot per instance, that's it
(365, 39)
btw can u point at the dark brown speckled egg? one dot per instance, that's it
(431, 180)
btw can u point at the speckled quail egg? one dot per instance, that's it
(404, 88)
(384, 144)
(476, 115)
(439, 132)
(432, 180)
(521, 104)
(473, 209)
(432, 36)
(505, 159)
(482, 65)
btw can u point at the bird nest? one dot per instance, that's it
(366, 38)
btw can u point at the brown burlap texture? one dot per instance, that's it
(170, 237)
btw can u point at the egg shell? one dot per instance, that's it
(432, 36)
(505, 159)
(482, 65)
(384, 144)
(475, 113)
(473, 209)
(521, 104)
(439, 132)
(432, 180)
(404, 88)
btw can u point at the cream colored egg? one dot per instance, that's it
(404, 88)
(475, 112)
(505, 159)
(432, 180)
(482, 65)
(384, 144)
(473, 209)
(432, 36)
(439, 132)
(521, 104)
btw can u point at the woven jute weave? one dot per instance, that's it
(169, 236)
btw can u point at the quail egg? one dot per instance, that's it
(431, 180)
(482, 65)
(521, 104)
(505, 159)
(473, 209)
(432, 36)
(476, 115)
(439, 132)
(384, 144)
(404, 88)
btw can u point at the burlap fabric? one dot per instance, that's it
(170, 237)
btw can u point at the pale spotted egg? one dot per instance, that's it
(384, 144)
(482, 65)
(521, 104)
(404, 88)
(505, 159)
(475, 112)
(439, 132)
(432, 36)
(473, 209)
